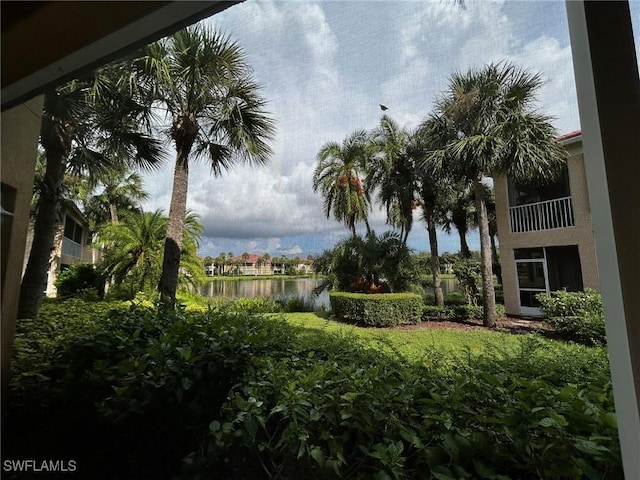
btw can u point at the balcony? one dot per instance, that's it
(533, 217)
(71, 248)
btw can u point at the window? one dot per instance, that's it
(73, 230)
(524, 194)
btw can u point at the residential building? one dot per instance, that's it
(71, 244)
(546, 234)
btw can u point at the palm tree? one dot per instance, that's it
(204, 83)
(117, 190)
(337, 176)
(433, 184)
(87, 125)
(458, 211)
(137, 249)
(392, 172)
(497, 132)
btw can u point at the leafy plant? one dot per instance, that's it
(468, 273)
(373, 264)
(576, 315)
(80, 280)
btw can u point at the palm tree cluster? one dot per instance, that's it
(484, 124)
(193, 89)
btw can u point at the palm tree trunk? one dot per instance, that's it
(34, 281)
(113, 212)
(459, 219)
(173, 241)
(464, 246)
(488, 291)
(435, 257)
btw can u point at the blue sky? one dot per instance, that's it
(325, 67)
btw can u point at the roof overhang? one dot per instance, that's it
(45, 43)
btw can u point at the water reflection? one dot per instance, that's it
(276, 288)
(284, 288)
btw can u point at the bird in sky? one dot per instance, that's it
(383, 107)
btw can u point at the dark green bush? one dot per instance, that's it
(377, 310)
(350, 415)
(80, 280)
(130, 394)
(577, 316)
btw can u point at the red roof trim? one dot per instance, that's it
(567, 136)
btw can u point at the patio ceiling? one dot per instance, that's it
(47, 42)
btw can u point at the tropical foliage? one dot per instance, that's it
(88, 125)
(246, 396)
(338, 176)
(134, 248)
(213, 111)
(491, 126)
(373, 264)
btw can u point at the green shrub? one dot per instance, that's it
(297, 304)
(242, 396)
(468, 273)
(348, 415)
(80, 280)
(577, 316)
(254, 305)
(377, 310)
(457, 312)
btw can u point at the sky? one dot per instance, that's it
(325, 67)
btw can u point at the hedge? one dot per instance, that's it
(377, 310)
(457, 312)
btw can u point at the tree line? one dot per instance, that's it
(484, 124)
(194, 91)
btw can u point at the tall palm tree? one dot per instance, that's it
(497, 132)
(391, 171)
(338, 177)
(434, 183)
(214, 112)
(87, 124)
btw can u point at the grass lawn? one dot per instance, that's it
(412, 343)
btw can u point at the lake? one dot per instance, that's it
(281, 288)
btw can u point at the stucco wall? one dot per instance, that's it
(20, 129)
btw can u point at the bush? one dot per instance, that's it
(297, 304)
(577, 316)
(241, 396)
(350, 415)
(80, 280)
(468, 273)
(377, 310)
(457, 312)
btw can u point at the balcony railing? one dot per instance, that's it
(71, 248)
(557, 213)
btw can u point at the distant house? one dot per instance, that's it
(71, 244)
(546, 235)
(252, 265)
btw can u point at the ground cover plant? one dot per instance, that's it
(223, 393)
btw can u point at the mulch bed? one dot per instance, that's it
(505, 324)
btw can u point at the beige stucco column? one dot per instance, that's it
(20, 130)
(608, 90)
